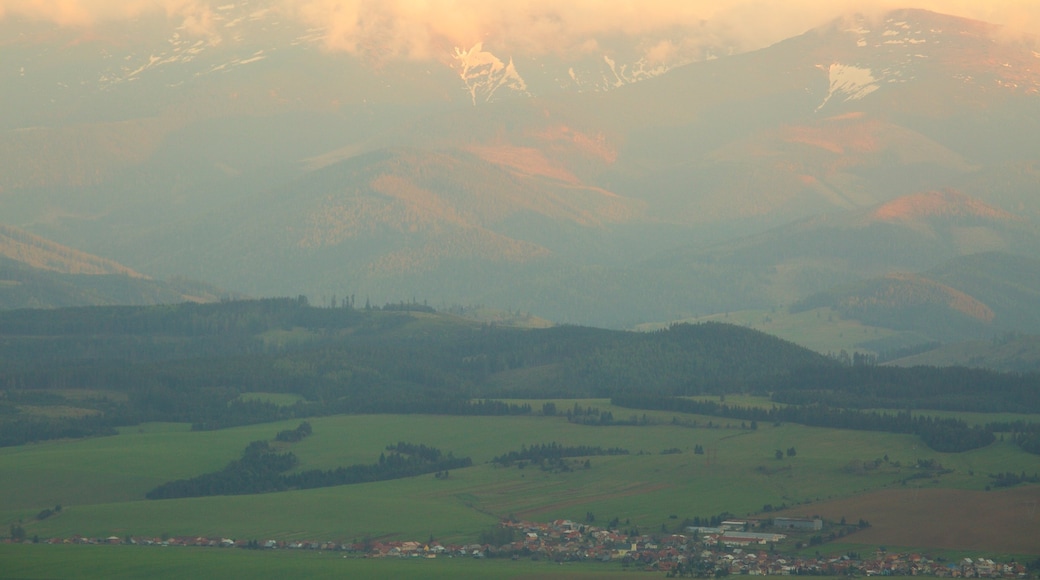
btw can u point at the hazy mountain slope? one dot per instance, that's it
(788, 263)
(37, 252)
(264, 173)
(1010, 185)
(974, 296)
(742, 142)
(1019, 354)
(22, 286)
(1010, 284)
(845, 116)
(38, 273)
(908, 302)
(402, 211)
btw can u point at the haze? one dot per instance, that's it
(402, 220)
(430, 29)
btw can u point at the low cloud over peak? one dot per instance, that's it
(430, 29)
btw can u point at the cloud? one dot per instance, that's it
(430, 29)
(193, 16)
(422, 29)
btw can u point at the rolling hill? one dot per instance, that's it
(969, 297)
(38, 273)
(1009, 353)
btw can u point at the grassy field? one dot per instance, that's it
(101, 482)
(970, 418)
(115, 562)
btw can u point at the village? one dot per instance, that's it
(727, 549)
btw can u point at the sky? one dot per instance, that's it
(428, 29)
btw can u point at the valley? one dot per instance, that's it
(688, 432)
(579, 290)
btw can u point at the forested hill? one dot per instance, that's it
(300, 348)
(682, 359)
(192, 362)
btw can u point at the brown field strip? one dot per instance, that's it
(1006, 521)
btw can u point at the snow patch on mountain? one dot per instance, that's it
(244, 41)
(488, 77)
(893, 33)
(638, 71)
(608, 72)
(849, 83)
(484, 74)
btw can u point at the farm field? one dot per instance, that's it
(994, 522)
(101, 482)
(116, 562)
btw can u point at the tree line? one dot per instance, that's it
(946, 388)
(554, 451)
(262, 469)
(941, 434)
(294, 435)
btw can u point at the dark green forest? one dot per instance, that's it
(262, 469)
(192, 362)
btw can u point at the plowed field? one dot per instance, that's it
(1006, 521)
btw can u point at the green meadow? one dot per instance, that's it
(111, 562)
(101, 482)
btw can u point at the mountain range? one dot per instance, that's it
(596, 189)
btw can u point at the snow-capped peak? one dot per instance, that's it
(484, 74)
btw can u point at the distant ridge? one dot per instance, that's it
(1010, 353)
(38, 252)
(837, 250)
(38, 273)
(945, 203)
(969, 297)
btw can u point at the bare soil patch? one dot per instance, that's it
(1006, 521)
